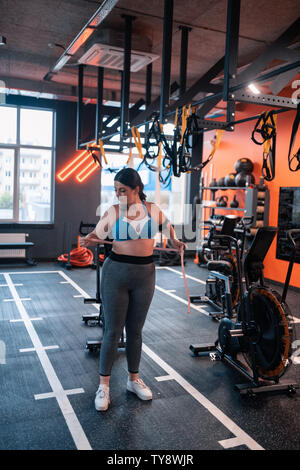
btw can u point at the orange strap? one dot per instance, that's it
(137, 140)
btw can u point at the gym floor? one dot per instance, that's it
(49, 379)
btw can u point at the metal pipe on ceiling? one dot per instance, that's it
(101, 13)
(166, 57)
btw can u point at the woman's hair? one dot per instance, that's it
(130, 177)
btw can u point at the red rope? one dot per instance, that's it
(78, 257)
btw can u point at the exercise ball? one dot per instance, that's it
(241, 179)
(243, 165)
(230, 179)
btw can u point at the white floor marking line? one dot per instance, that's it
(64, 282)
(34, 349)
(29, 319)
(75, 428)
(78, 296)
(76, 286)
(180, 274)
(43, 396)
(29, 272)
(16, 285)
(163, 378)
(243, 438)
(195, 307)
(229, 443)
(13, 300)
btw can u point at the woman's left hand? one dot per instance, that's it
(178, 244)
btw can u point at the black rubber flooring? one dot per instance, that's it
(194, 406)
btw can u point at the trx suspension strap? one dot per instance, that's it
(219, 134)
(266, 127)
(294, 161)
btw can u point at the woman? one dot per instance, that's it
(127, 277)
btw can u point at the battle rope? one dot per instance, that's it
(80, 256)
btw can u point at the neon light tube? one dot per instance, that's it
(82, 176)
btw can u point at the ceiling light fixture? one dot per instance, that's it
(254, 89)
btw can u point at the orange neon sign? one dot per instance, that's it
(87, 171)
(77, 162)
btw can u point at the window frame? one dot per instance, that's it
(17, 147)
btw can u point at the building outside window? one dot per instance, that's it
(26, 164)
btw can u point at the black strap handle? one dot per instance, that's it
(296, 156)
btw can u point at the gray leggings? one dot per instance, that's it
(126, 293)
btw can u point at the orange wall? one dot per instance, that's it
(238, 144)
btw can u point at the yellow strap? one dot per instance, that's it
(219, 134)
(130, 153)
(102, 150)
(267, 143)
(160, 150)
(183, 122)
(137, 140)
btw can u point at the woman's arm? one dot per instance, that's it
(165, 226)
(102, 229)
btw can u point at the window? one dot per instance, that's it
(26, 164)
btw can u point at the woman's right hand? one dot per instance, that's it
(90, 240)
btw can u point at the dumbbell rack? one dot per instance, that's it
(257, 203)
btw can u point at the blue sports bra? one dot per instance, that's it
(128, 229)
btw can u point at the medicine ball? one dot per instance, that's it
(241, 178)
(221, 181)
(230, 179)
(243, 164)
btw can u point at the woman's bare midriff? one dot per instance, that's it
(134, 247)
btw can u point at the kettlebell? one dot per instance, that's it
(222, 201)
(234, 203)
(213, 183)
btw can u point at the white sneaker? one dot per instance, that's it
(140, 389)
(102, 399)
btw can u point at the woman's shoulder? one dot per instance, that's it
(150, 206)
(112, 212)
(153, 210)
